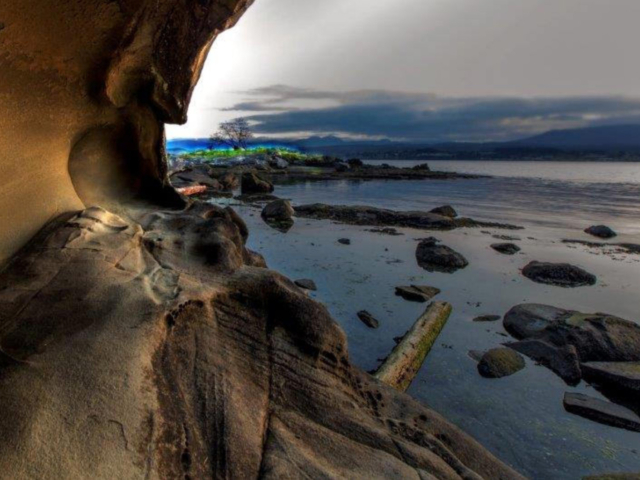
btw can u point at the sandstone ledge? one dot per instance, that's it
(162, 348)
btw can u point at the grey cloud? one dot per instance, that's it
(427, 117)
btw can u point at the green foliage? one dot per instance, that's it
(289, 155)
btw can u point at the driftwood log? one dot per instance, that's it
(405, 360)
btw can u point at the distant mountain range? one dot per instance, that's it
(615, 142)
(610, 137)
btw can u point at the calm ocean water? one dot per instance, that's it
(520, 418)
(555, 194)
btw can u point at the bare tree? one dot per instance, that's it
(234, 133)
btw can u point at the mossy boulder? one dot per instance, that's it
(500, 362)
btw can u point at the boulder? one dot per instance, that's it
(306, 284)
(279, 163)
(601, 411)
(344, 241)
(278, 210)
(601, 231)
(229, 181)
(617, 375)
(563, 361)
(278, 214)
(597, 337)
(417, 293)
(500, 362)
(445, 211)
(558, 274)
(251, 183)
(506, 248)
(368, 319)
(438, 258)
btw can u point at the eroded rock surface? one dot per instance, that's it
(86, 88)
(161, 348)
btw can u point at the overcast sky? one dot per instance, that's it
(422, 69)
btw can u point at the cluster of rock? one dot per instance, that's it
(599, 348)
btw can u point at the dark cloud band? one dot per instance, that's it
(275, 111)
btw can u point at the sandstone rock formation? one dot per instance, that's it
(85, 89)
(150, 342)
(164, 349)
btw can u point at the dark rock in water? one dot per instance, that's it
(278, 214)
(341, 167)
(229, 181)
(278, 210)
(417, 293)
(306, 284)
(601, 411)
(507, 238)
(251, 183)
(387, 231)
(618, 375)
(368, 319)
(597, 337)
(500, 362)
(279, 163)
(355, 163)
(601, 231)
(344, 241)
(558, 274)
(445, 211)
(563, 361)
(364, 215)
(438, 258)
(506, 248)
(487, 318)
(423, 167)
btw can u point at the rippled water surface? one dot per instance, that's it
(520, 418)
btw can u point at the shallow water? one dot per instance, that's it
(520, 418)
